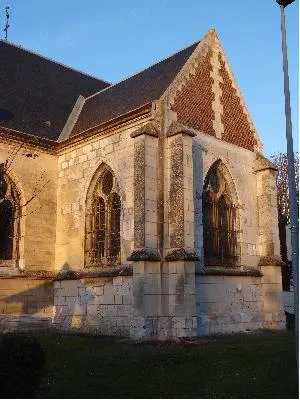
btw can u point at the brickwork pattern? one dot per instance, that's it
(237, 129)
(193, 104)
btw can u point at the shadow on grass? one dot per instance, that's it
(261, 365)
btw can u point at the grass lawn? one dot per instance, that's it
(260, 365)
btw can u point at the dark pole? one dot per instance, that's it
(291, 175)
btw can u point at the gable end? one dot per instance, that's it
(237, 129)
(193, 103)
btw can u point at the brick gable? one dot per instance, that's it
(237, 129)
(193, 104)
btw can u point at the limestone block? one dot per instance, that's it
(189, 288)
(127, 299)
(139, 267)
(87, 149)
(82, 158)
(70, 290)
(252, 292)
(271, 274)
(108, 149)
(92, 309)
(152, 284)
(98, 290)
(109, 289)
(106, 299)
(78, 309)
(118, 299)
(151, 305)
(117, 281)
(125, 289)
(91, 155)
(59, 300)
(272, 301)
(137, 328)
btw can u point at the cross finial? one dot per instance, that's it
(7, 19)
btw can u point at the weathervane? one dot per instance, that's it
(7, 24)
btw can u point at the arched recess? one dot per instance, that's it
(12, 220)
(221, 220)
(103, 220)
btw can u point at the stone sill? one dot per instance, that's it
(45, 275)
(105, 272)
(230, 272)
(272, 261)
(69, 275)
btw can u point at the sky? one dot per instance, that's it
(113, 39)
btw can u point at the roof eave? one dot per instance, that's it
(143, 111)
(27, 138)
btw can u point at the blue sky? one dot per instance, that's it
(114, 39)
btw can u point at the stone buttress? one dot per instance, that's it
(164, 303)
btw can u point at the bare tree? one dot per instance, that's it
(280, 160)
(11, 206)
(6, 167)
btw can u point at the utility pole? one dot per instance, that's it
(291, 176)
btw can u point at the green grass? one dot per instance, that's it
(240, 366)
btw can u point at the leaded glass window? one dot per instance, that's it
(10, 214)
(219, 221)
(103, 224)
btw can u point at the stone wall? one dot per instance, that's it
(77, 166)
(227, 304)
(25, 303)
(33, 168)
(101, 305)
(242, 179)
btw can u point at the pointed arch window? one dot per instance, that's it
(9, 218)
(220, 220)
(103, 245)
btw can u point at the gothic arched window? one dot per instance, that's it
(102, 244)
(219, 220)
(9, 218)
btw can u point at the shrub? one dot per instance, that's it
(22, 362)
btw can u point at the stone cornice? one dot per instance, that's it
(270, 260)
(148, 129)
(176, 128)
(261, 163)
(144, 254)
(28, 139)
(182, 254)
(125, 270)
(229, 272)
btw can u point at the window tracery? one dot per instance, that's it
(103, 223)
(9, 217)
(219, 220)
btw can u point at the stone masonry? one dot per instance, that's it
(159, 156)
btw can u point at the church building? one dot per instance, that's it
(143, 209)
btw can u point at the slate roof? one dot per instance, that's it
(131, 93)
(34, 89)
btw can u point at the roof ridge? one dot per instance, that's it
(54, 61)
(142, 70)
